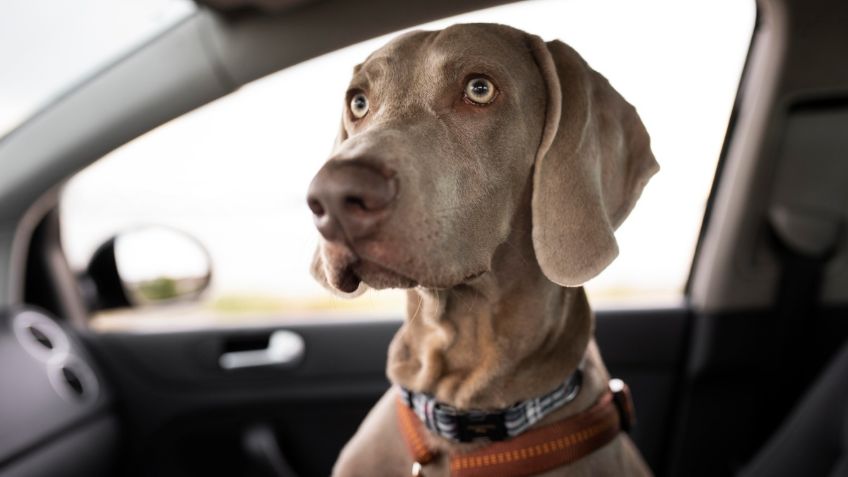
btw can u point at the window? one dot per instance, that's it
(234, 173)
(65, 41)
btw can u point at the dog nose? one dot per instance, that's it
(349, 199)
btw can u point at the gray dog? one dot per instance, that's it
(484, 171)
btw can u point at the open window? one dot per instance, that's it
(233, 174)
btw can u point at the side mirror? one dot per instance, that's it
(146, 266)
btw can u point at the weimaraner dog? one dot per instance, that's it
(484, 171)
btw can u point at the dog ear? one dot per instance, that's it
(321, 275)
(592, 163)
(317, 269)
(340, 137)
(342, 134)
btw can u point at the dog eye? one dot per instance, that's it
(480, 90)
(359, 105)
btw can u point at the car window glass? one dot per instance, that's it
(233, 174)
(66, 41)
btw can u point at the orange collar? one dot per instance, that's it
(535, 451)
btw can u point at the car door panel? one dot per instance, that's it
(188, 416)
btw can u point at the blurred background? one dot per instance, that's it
(233, 174)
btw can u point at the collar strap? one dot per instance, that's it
(536, 451)
(470, 426)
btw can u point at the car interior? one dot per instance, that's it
(746, 376)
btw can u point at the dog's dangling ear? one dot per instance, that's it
(317, 268)
(592, 163)
(340, 137)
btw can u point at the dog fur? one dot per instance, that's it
(503, 211)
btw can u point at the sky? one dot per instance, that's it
(234, 173)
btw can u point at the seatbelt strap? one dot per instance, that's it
(804, 247)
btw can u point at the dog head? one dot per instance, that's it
(442, 135)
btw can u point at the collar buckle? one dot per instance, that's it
(623, 403)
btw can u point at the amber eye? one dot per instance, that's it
(480, 90)
(359, 105)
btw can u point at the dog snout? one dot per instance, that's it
(349, 200)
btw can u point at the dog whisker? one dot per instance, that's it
(417, 309)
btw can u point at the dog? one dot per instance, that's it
(484, 171)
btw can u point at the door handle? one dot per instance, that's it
(285, 348)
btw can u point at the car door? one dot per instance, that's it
(263, 373)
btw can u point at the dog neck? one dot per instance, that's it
(509, 335)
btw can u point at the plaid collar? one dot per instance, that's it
(469, 426)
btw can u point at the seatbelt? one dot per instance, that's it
(805, 215)
(803, 245)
